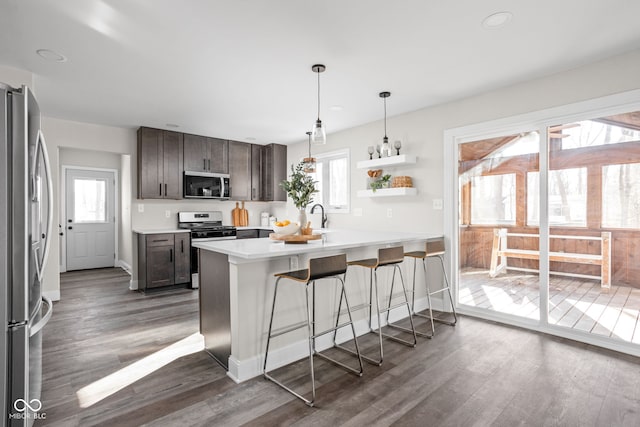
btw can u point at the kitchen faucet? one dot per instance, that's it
(324, 217)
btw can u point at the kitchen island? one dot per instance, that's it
(237, 284)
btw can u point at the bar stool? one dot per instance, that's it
(387, 257)
(433, 249)
(319, 268)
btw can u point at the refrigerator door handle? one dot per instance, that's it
(47, 165)
(34, 329)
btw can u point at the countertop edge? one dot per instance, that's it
(160, 231)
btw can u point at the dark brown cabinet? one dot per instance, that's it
(182, 250)
(240, 170)
(159, 164)
(163, 260)
(204, 154)
(274, 171)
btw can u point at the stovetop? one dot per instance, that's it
(202, 221)
(204, 226)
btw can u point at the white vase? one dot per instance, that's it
(302, 219)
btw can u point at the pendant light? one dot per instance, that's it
(319, 134)
(309, 162)
(385, 151)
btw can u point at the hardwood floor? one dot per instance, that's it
(133, 359)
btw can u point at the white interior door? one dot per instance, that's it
(90, 222)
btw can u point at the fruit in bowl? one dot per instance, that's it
(285, 227)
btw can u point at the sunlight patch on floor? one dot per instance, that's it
(105, 387)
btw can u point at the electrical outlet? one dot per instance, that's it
(167, 214)
(437, 204)
(140, 208)
(389, 213)
(357, 211)
(293, 263)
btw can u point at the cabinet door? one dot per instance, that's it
(150, 163)
(278, 172)
(246, 234)
(173, 168)
(196, 153)
(160, 266)
(182, 250)
(240, 170)
(257, 161)
(219, 155)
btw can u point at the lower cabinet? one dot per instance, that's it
(163, 260)
(253, 233)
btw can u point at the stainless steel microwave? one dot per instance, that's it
(203, 185)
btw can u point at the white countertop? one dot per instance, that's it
(160, 231)
(333, 239)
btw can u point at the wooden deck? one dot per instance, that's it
(574, 303)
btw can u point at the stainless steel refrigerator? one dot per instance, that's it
(25, 229)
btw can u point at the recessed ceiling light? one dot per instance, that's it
(50, 55)
(336, 108)
(172, 125)
(497, 20)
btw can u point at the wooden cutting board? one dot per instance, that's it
(235, 215)
(295, 238)
(244, 216)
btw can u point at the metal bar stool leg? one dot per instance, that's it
(273, 309)
(411, 330)
(424, 316)
(312, 340)
(448, 288)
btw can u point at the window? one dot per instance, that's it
(621, 196)
(567, 197)
(90, 198)
(332, 176)
(603, 131)
(493, 199)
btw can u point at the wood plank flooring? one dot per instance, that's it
(574, 303)
(104, 349)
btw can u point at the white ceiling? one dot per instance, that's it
(241, 69)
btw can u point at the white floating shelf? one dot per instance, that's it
(387, 192)
(402, 159)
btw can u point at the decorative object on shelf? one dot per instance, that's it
(319, 134)
(300, 188)
(370, 150)
(397, 145)
(386, 148)
(380, 182)
(374, 173)
(401, 182)
(309, 162)
(378, 150)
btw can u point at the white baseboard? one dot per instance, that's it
(243, 370)
(133, 285)
(125, 266)
(52, 295)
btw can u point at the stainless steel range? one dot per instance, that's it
(205, 227)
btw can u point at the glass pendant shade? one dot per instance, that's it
(319, 134)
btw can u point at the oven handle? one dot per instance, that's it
(213, 239)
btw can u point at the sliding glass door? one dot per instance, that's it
(553, 240)
(497, 249)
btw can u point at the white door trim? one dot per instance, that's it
(63, 208)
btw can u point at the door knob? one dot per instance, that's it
(70, 228)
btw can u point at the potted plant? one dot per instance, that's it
(300, 188)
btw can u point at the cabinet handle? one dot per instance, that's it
(204, 164)
(209, 165)
(160, 189)
(165, 190)
(160, 240)
(170, 255)
(182, 246)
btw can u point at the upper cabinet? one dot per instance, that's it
(274, 171)
(160, 164)
(204, 154)
(255, 171)
(240, 170)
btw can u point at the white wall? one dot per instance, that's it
(421, 133)
(16, 78)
